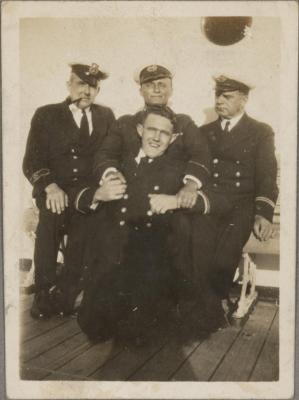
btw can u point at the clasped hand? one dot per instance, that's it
(187, 196)
(113, 188)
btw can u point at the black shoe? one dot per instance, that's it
(41, 307)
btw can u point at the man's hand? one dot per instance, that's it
(114, 175)
(56, 199)
(160, 203)
(113, 188)
(187, 196)
(262, 228)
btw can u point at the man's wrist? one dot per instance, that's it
(50, 187)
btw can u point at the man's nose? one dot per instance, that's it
(87, 89)
(157, 136)
(156, 88)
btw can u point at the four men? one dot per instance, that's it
(227, 167)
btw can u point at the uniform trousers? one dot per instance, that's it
(210, 251)
(127, 277)
(50, 232)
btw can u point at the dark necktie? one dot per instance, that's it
(143, 161)
(84, 129)
(226, 127)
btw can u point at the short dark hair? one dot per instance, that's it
(163, 111)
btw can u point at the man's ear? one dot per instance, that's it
(174, 136)
(140, 129)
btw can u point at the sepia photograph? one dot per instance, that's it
(149, 153)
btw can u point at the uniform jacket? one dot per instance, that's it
(244, 164)
(53, 153)
(124, 140)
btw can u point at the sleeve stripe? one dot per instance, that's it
(200, 165)
(206, 202)
(39, 174)
(265, 200)
(78, 199)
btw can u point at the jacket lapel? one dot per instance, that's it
(70, 127)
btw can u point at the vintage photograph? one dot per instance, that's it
(149, 198)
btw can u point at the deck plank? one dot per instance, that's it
(183, 341)
(267, 366)
(88, 362)
(131, 358)
(49, 339)
(204, 360)
(58, 356)
(240, 359)
(37, 328)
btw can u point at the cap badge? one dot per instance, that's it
(93, 69)
(152, 68)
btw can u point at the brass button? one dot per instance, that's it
(238, 173)
(149, 213)
(75, 170)
(75, 157)
(136, 228)
(149, 225)
(121, 223)
(238, 162)
(215, 161)
(238, 184)
(126, 196)
(75, 179)
(215, 184)
(73, 150)
(123, 210)
(216, 175)
(156, 187)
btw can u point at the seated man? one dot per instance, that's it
(244, 170)
(61, 143)
(129, 256)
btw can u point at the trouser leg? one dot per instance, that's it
(48, 236)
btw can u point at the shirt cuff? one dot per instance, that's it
(192, 178)
(106, 172)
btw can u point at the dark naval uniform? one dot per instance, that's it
(54, 154)
(189, 146)
(244, 169)
(130, 250)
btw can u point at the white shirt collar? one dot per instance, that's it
(77, 115)
(141, 155)
(233, 121)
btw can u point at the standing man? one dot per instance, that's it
(58, 161)
(156, 89)
(244, 168)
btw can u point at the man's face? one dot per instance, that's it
(156, 134)
(229, 104)
(79, 89)
(156, 92)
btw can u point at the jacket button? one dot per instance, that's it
(123, 210)
(238, 162)
(126, 196)
(149, 225)
(215, 184)
(75, 157)
(238, 173)
(74, 179)
(216, 175)
(156, 188)
(73, 150)
(238, 184)
(75, 170)
(136, 228)
(121, 223)
(215, 161)
(149, 213)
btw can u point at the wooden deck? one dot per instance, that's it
(56, 349)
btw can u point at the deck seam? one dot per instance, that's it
(46, 331)
(262, 346)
